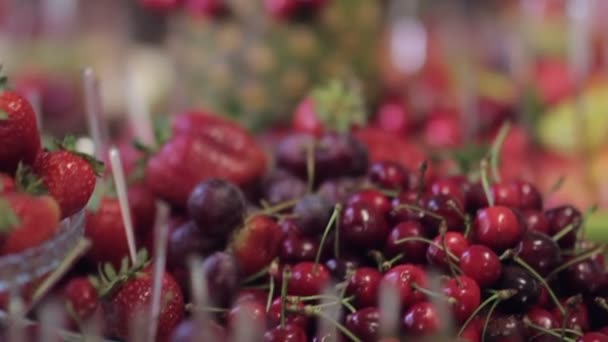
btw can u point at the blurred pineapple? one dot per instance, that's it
(255, 68)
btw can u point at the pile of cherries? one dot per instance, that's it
(343, 249)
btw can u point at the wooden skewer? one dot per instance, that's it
(161, 232)
(121, 190)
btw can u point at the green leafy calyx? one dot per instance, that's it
(8, 218)
(340, 105)
(69, 144)
(27, 181)
(110, 280)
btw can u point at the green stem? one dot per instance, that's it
(546, 331)
(433, 294)
(488, 317)
(485, 182)
(535, 274)
(340, 327)
(421, 210)
(337, 239)
(496, 148)
(430, 242)
(579, 258)
(270, 294)
(257, 275)
(565, 231)
(286, 276)
(332, 219)
(310, 166)
(499, 295)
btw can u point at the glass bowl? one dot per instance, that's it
(31, 264)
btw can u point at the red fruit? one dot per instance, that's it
(19, 136)
(413, 251)
(593, 337)
(387, 147)
(305, 118)
(449, 187)
(472, 332)
(160, 5)
(249, 311)
(403, 277)
(365, 324)
(497, 227)
(105, 229)
(203, 147)
(282, 9)
(81, 297)
(542, 318)
(467, 294)
(400, 213)
(7, 184)
(393, 117)
(443, 131)
(246, 295)
(256, 244)
(373, 198)
(553, 80)
(578, 315)
(455, 242)
(287, 333)
(506, 194)
(206, 8)
(69, 177)
(536, 221)
(389, 175)
(26, 221)
(529, 196)
(306, 281)
(296, 248)
(364, 284)
(274, 315)
(482, 264)
(561, 218)
(134, 295)
(421, 319)
(363, 226)
(143, 207)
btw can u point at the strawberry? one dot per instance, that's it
(143, 207)
(7, 183)
(256, 244)
(19, 136)
(202, 147)
(26, 221)
(105, 229)
(160, 5)
(382, 146)
(126, 295)
(81, 298)
(69, 176)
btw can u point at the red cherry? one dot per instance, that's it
(449, 186)
(446, 207)
(467, 294)
(536, 220)
(274, 315)
(540, 252)
(364, 284)
(393, 116)
(365, 323)
(472, 332)
(413, 251)
(284, 9)
(443, 131)
(506, 195)
(542, 318)
(399, 213)
(361, 225)
(529, 196)
(287, 333)
(389, 175)
(497, 227)
(593, 337)
(246, 295)
(373, 198)
(296, 248)
(82, 297)
(482, 264)
(306, 281)
(206, 8)
(421, 319)
(578, 316)
(561, 217)
(455, 242)
(252, 311)
(403, 277)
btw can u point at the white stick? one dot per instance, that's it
(198, 289)
(161, 232)
(389, 305)
(325, 326)
(51, 319)
(92, 99)
(138, 111)
(121, 191)
(16, 311)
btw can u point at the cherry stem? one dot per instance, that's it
(421, 173)
(277, 208)
(498, 295)
(496, 148)
(433, 294)
(542, 280)
(421, 210)
(343, 301)
(310, 165)
(378, 258)
(389, 263)
(488, 317)
(485, 183)
(337, 239)
(601, 302)
(585, 255)
(340, 327)
(270, 294)
(332, 219)
(545, 330)
(430, 242)
(556, 186)
(581, 232)
(286, 276)
(567, 229)
(259, 274)
(465, 217)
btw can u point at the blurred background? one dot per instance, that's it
(439, 74)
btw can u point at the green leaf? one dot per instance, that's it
(95, 282)
(162, 130)
(27, 181)
(340, 105)
(124, 266)
(3, 115)
(110, 271)
(8, 218)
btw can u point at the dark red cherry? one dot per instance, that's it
(536, 220)
(421, 319)
(506, 195)
(400, 213)
(306, 280)
(296, 248)
(467, 294)
(582, 277)
(206, 8)
(482, 264)
(449, 187)
(403, 277)
(542, 318)
(412, 251)
(529, 196)
(287, 333)
(312, 213)
(593, 337)
(445, 206)
(339, 267)
(472, 332)
(539, 251)
(365, 324)
(252, 311)
(373, 198)
(340, 189)
(560, 218)
(274, 315)
(361, 225)
(527, 287)
(281, 9)
(364, 284)
(476, 198)
(455, 242)
(389, 175)
(189, 329)
(497, 227)
(578, 315)
(505, 328)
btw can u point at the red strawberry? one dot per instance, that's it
(106, 231)
(143, 207)
(393, 116)
(203, 147)
(256, 244)
(70, 177)
(130, 299)
(81, 298)
(382, 146)
(19, 136)
(305, 118)
(26, 221)
(7, 184)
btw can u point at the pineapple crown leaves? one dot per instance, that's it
(69, 144)
(340, 105)
(8, 218)
(27, 181)
(109, 280)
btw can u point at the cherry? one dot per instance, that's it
(361, 225)
(497, 227)
(281, 9)
(412, 251)
(449, 187)
(295, 248)
(188, 330)
(446, 207)
(372, 198)
(578, 314)
(252, 311)
(187, 240)
(246, 295)
(527, 287)
(582, 277)
(403, 278)
(308, 279)
(312, 213)
(472, 332)
(364, 284)
(206, 8)
(217, 206)
(455, 243)
(399, 213)
(529, 196)
(536, 220)
(280, 186)
(541, 318)
(287, 333)
(505, 328)
(222, 276)
(364, 323)
(482, 264)
(562, 217)
(593, 337)
(421, 319)
(539, 251)
(82, 297)
(338, 267)
(389, 175)
(274, 315)
(339, 190)
(505, 194)
(476, 198)
(256, 244)
(467, 294)
(160, 5)
(329, 337)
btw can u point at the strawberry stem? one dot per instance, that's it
(332, 219)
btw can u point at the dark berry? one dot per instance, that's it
(361, 225)
(187, 240)
(222, 275)
(527, 287)
(373, 198)
(448, 208)
(505, 328)
(340, 189)
(295, 248)
(287, 333)
(539, 251)
(536, 220)
(562, 217)
(364, 323)
(312, 213)
(413, 251)
(389, 175)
